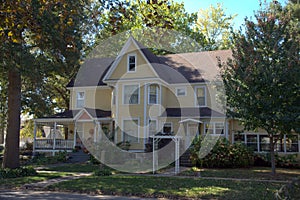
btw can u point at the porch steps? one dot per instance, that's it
(78, 157)
(185, 160)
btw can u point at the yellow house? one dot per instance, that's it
(137, 95)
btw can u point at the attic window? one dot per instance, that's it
(131, 63)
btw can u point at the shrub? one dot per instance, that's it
(286, 161)
(41, 159)
(223, 155)
(19, 172)
(103, 171)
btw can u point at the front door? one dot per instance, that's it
(192, 131)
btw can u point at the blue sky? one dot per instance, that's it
(243, 8)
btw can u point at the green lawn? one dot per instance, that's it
(170, 187)
(261, 173)
(73, 168)
(18, 182)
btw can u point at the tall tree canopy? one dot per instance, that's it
(35, 37)
(262, 80)
(216, 26)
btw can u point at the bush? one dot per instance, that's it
(103, 171)
(42, 159)
(19, 172)
(223, 155)
(285, 161)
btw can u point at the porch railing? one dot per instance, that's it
(60, 144)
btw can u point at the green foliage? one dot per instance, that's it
(289, 191)
(223, 155)
(93, 160)
(28, 129)
(216, 26)
(286, 161)
(18, 172)
(42, 159)
(262, 79)
(103, 171)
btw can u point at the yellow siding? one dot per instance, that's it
(142, 70)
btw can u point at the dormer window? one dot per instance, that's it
(131, 63)
(80, 100)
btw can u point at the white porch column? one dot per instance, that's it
(177, 169)
(34, 137)
(54, 138)
(75, 134)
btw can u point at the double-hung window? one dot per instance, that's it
(130, 130)
(152, 127)
(181, 91)
(131, 63)
(216, 128)
(131, 94)
(79, 99)
(153, 94)
(200, 96)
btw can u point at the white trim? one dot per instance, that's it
(121, 54)
(191, 120)
(138, 128)
(156, 125)
(123, 93)
(196, 99)
(214, 128)
(156, 92)
(164, 126)
(179, 88)
(135, 62)
(76, 97)
(89, 87)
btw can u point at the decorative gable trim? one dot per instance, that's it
(83, 115)
(120, 56)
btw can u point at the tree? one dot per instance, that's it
(216, 26)
(262, 80)
(34, 35)
(138, 15)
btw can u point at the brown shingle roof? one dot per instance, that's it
(202, 112)
(173, 68)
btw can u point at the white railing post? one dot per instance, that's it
(54, 138)
(75, 134)
(34, 138)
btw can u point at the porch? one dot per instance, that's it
(71, 130)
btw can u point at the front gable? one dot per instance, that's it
(120, 68)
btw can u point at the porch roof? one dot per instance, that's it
(198, 112)
(70, 115)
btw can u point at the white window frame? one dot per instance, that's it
(180, 88)
(156, 123)
(123, 94)
(214, 128)
(138, 129)
(128, 63)
(157, 90)
(171, 124)
(196, 96)
(77, 99)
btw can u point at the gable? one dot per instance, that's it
(119, 69)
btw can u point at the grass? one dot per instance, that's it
(73, 168)
(257, 173)
(169, 187)
(18, 182)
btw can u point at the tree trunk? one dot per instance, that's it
(272, 154)
(11, 151)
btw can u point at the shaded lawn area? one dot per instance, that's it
(261, 173)
(73, 168)
(169, 187)
(18, 182)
